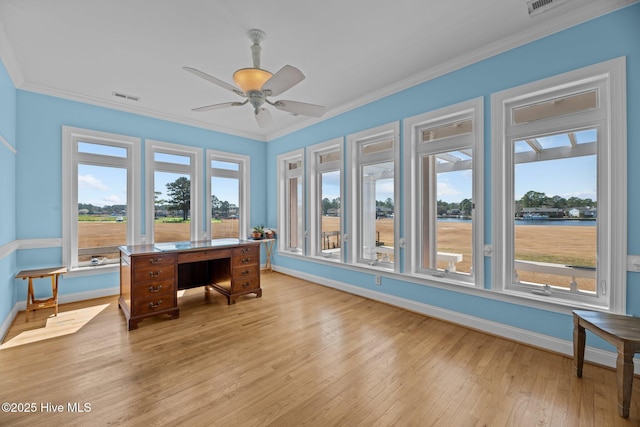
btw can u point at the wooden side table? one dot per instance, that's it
(268, 249)
(621, 331)
(36, 304)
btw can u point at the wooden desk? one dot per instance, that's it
(621, 331)
(151, 275)
(36, 304)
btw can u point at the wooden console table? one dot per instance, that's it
(151, 275)
(36, 304)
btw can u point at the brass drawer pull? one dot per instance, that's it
(156, 305)
(156, 274)
(245, 250)
(246, 260)
(246, 284)
(246, 272)
(155, 260)
(155, 289)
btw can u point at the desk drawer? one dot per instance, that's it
(245, 271)
(245, 284)
(242, 260)
(153, 305)
(250, 250)
(154, 273)
(156, 290)
(154, 260)
(186, 257)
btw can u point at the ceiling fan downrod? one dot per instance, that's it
(256, 36)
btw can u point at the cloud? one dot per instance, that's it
(446, 190)
(113, 200)
(89, 181)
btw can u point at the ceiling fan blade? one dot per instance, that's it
(263, 117)
(295, 107)
(219, 106)
(286, 78)
(213, 80)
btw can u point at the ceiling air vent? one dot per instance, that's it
(539, 6)
(125, 96)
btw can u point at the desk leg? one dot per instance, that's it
(54, 292)
(624, 376)
(30, 299)
(578, 345)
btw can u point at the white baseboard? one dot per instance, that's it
(8, 321)
(594, 355)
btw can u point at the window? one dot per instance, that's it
(444, 178)
(172, 177)
(228, 190)
(560, 188)
(373, 156)
(325, 199)
(291, 202)
(101, 184)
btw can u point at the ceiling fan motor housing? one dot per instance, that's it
(256, 99)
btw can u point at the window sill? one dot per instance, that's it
(93, 270)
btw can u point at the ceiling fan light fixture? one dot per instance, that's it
(251, 79)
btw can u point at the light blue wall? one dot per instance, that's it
(39, 170)
(605, 38)
(7, 191)
(31, 181)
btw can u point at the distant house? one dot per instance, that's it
(333, 212)
(582, 212)
(540, 212)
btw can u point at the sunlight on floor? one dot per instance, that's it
(65, 323)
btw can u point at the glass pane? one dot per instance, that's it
(171, 158)
(556, 107)
(295, 165)
(102, 213)
(329, 157)
(555, 224)
(377, 212)
(219, 164)
(452, 200)
(377, 146)
(172, 207)
(105, 150)
(225, 207)
(330, 237)
(446, 131)
(295, 220)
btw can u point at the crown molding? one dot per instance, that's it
(547, 27)
(72, 96)
(9, 59)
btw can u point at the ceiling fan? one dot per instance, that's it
(256, 85)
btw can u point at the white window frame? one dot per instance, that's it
(414, 149)
(609, 118)
(316, 169)
(242, 175)
(356, 160)
(284, 175)
(71, 136)
(194, 169)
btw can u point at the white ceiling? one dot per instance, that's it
(351, 51)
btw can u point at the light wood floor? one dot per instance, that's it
(302, 354)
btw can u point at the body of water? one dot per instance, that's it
(573, 222)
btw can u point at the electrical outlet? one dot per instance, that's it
(378, 281)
